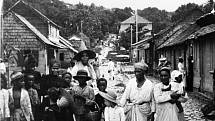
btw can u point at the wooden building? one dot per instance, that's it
(203, 49)
(174, 44)
(32, 32)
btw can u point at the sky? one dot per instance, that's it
(168, 5)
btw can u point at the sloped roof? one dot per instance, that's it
(68, 44)
(143, 41)
(203, 31)
(36, 32)
(21, 2)
(180, 36)
(132, 20)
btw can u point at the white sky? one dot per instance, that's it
(168, 5)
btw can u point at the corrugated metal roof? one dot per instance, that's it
(36, 32)
(132, 20)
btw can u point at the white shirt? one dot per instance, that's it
(80, 66)
(4, 101)
(114, 114)
(181, 67)
(2, 68)
(138, 95)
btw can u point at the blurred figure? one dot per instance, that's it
(2, 66)
(83, 95)
(111, 67)
(4, 100)
(35, 101)
(52, 111)
(102, 85)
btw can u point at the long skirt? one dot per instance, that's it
(137, 112)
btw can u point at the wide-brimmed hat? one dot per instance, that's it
(82, 74)
(90, 54)
(110, 95)
(16, 76)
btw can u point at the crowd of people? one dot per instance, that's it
(81, 94)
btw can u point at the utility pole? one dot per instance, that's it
(1, 32)
(81, 26)
(136, 21)
(131, 43)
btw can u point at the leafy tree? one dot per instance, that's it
(183, 10)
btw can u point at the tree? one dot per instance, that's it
(183, 10)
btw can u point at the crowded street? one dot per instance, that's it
(192, 108)
(99, 60)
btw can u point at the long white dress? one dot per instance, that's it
(165, 111)
(136, 110)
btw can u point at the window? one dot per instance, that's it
(61, 56)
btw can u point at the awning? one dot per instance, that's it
(68, 44)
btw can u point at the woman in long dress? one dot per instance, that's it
(166, 109)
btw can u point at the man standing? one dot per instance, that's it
(138, 96)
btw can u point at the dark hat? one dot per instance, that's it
(90, 54)
(15, 76)
(82, 74)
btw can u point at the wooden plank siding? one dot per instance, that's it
(33, 18)
(204, 56)
(18, 35)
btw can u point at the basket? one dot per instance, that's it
(94, 115)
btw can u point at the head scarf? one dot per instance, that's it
(141, 65)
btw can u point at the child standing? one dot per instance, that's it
(102, 85)
(178, 87)
(112, 111)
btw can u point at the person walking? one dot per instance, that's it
(166, 109)
(138, 97)
(111, 69)
(20, 106)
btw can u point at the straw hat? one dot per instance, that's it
(90, 54)
(82, 74)
(110, 95)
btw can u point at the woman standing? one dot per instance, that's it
(83, 64)
(166, 109)
(20, 107)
